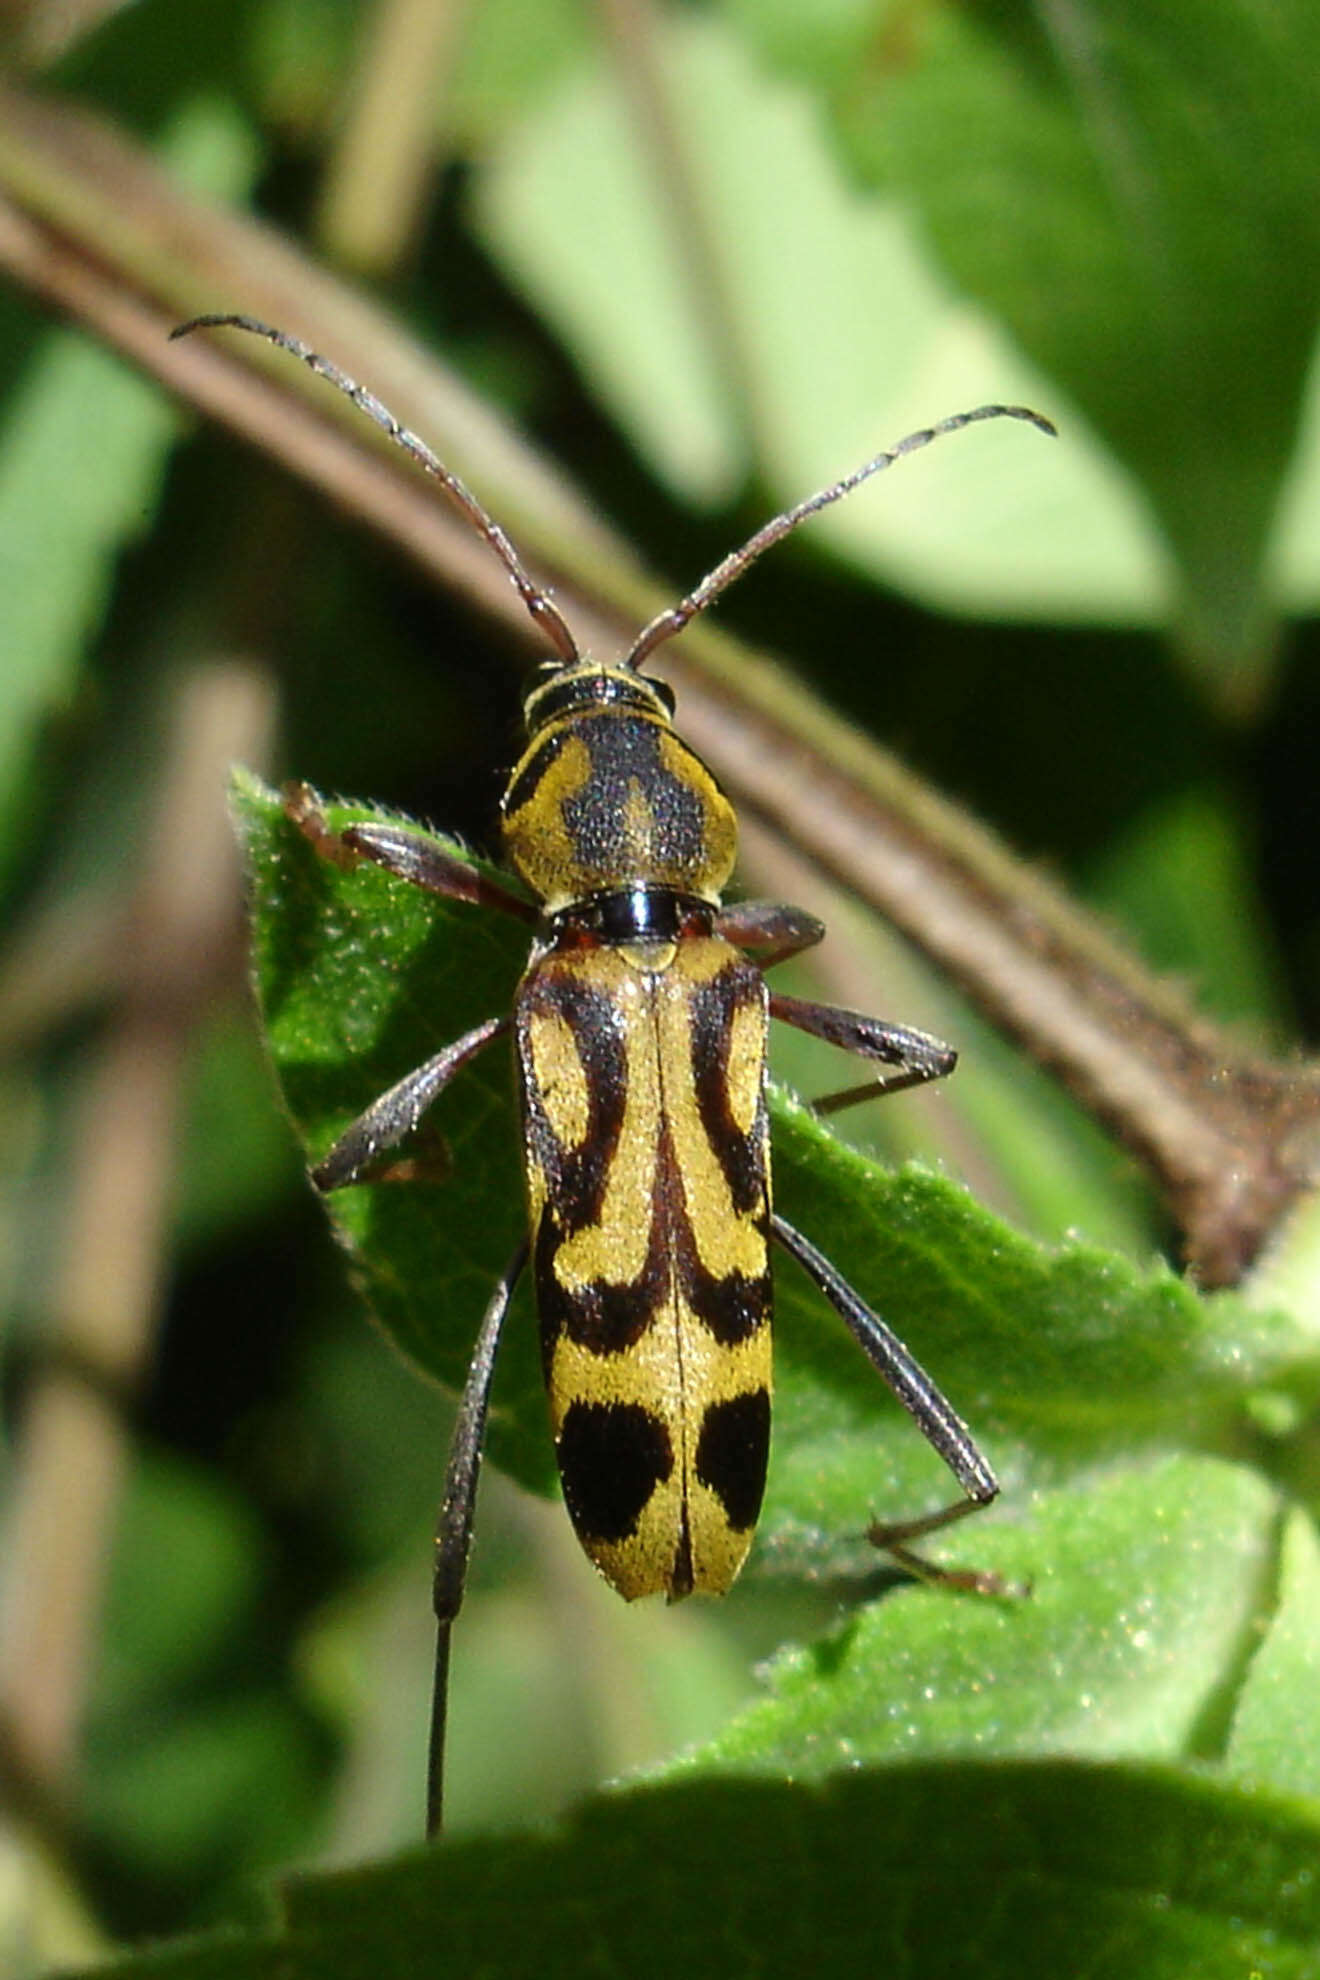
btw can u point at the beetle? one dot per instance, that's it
(640, 1031)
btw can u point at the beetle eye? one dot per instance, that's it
(662, 689)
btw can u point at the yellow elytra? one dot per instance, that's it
(641, 1039)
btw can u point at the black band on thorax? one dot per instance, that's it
(637, 914)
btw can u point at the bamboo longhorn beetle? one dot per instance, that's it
(640, 1030)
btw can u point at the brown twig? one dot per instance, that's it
(1232, 1138)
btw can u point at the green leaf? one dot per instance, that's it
(1276, 1728)
(821, 317)
(1159, 1623)
(164, 1631)
(1144, 1587)
(1129, 188)
(984, 1871)
(81, 455)
(83, 451)
(188, 1768)
(512, 52)
(1180, 880)
(234, 1780)
(1060, 1359)
(1111, 216)
(360, 978)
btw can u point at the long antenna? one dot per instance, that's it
(545, 613)
(671, 621)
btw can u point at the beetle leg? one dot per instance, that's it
(931, 1411)
(404, 851)
(914, 1056)
(453, 1533)
(397, 1112)
(772, 926)
(935, 1417)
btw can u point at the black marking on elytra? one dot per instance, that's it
(732, 1305)
(576, 1178)
(733, 1450)
(609, 1317)
(612, 1457)
(605, 1317)
(713, 1007)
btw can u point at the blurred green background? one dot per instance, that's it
(1103, 648)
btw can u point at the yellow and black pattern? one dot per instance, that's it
(607, 795)
(641, 1033)
(642, 1071)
